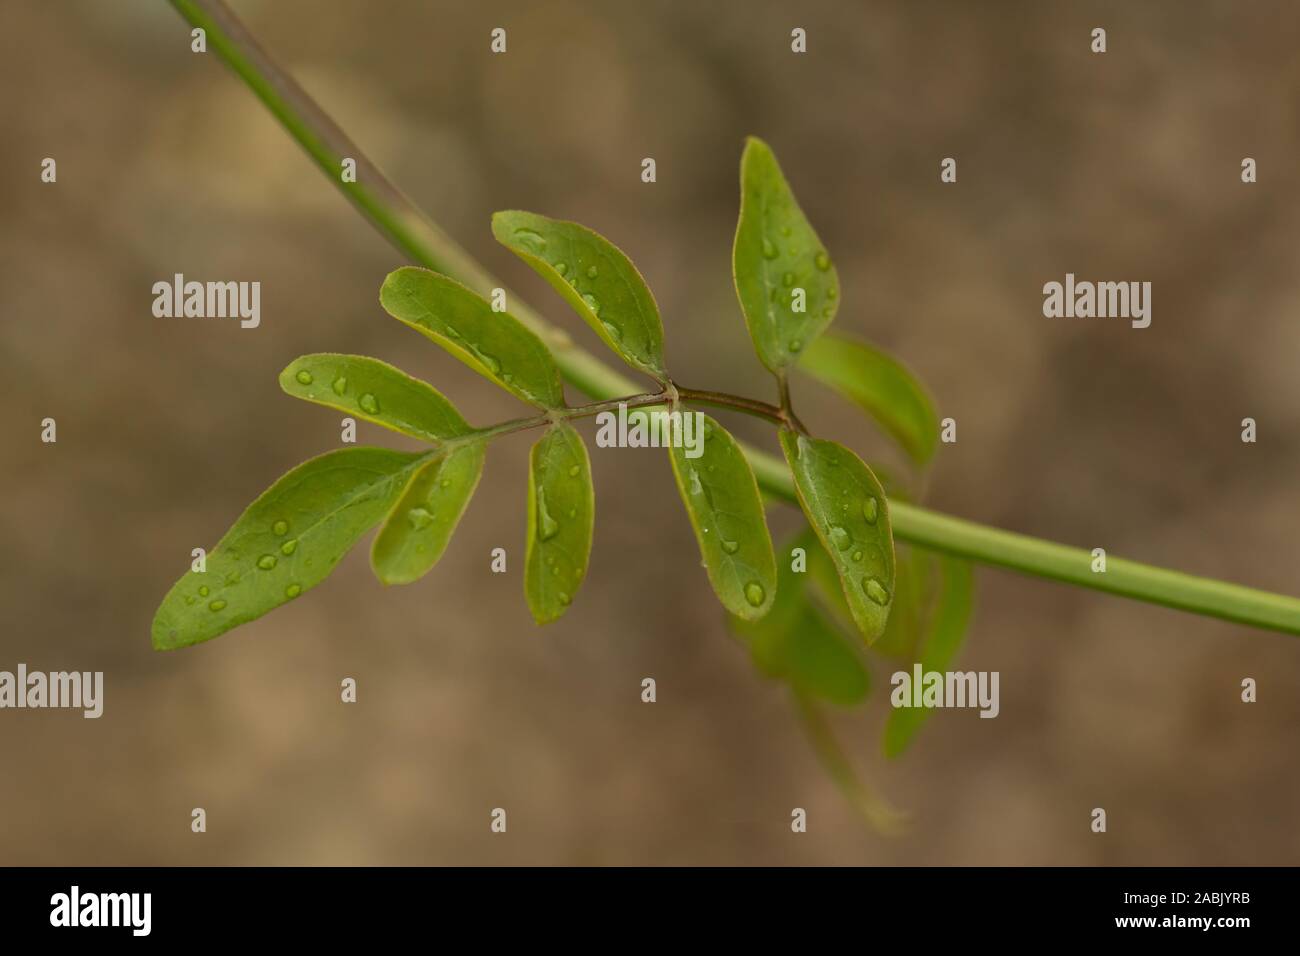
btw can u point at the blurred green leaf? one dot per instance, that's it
(775, 253)
(876, 811)
(915, 576)
(596, 278)
(375, 391)
(879, 384)
(561, 517)
(286, 543)
(494, 344)
(847, 508)
(417, 530)
(795, 641)
(942, 640)
(721, 498)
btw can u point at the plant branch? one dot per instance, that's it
(421, 241)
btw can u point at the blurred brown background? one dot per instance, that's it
(1122, 166)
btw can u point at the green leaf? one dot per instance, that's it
(561, 515)
(286, 543)
(776, 252)
(721, 497)
(881, 385)
(494, 344)
(418, 528)
(797, 643)
(947, 628)
(847, 508)
(915, 574)
(596, 278)
(376, 391)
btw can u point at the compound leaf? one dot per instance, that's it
(376, 391)
(595, 278)
(285, 543)
(494, 344)
(417, 530)
(847, 508)
(880, 385)
(722, 500)
(785, 280)
(942, 639)
(561, 515)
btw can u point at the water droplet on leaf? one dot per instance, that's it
(530, 240)
(840, 537)
(769, 249)
(870, 509)
(822, 261)
(293, 590)
(266, 562)
(731, 547)
(592, 272)
(754, 594)
(547, 527)
(876, 591)
(280, 527)
(216, 605)
(419, 518)
(369, 404)
(289, 547)
(304, 377)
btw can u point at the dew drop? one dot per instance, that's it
(592, 303)
(827, 312)
(840, 537)
(754, 593)
(769, 248)
(787, 279)
(876, 591)
(304, 377)
(293, 590)
(822, 261)
(530, 240)
(547, 527)
(216, 605)
(573, 471)
(731, 547)
(796, 345)
(280, 527)
(340, 385)
(445, 483)
(369, 404)
(857, 555)
(419, 518)
(592, 272)
(561, 267)
(266, 562)
(203, 591)
(565, 599)
(870, 509)
(490, 361)
(832, 292)
(573, 512)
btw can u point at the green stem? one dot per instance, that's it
(423, 242)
